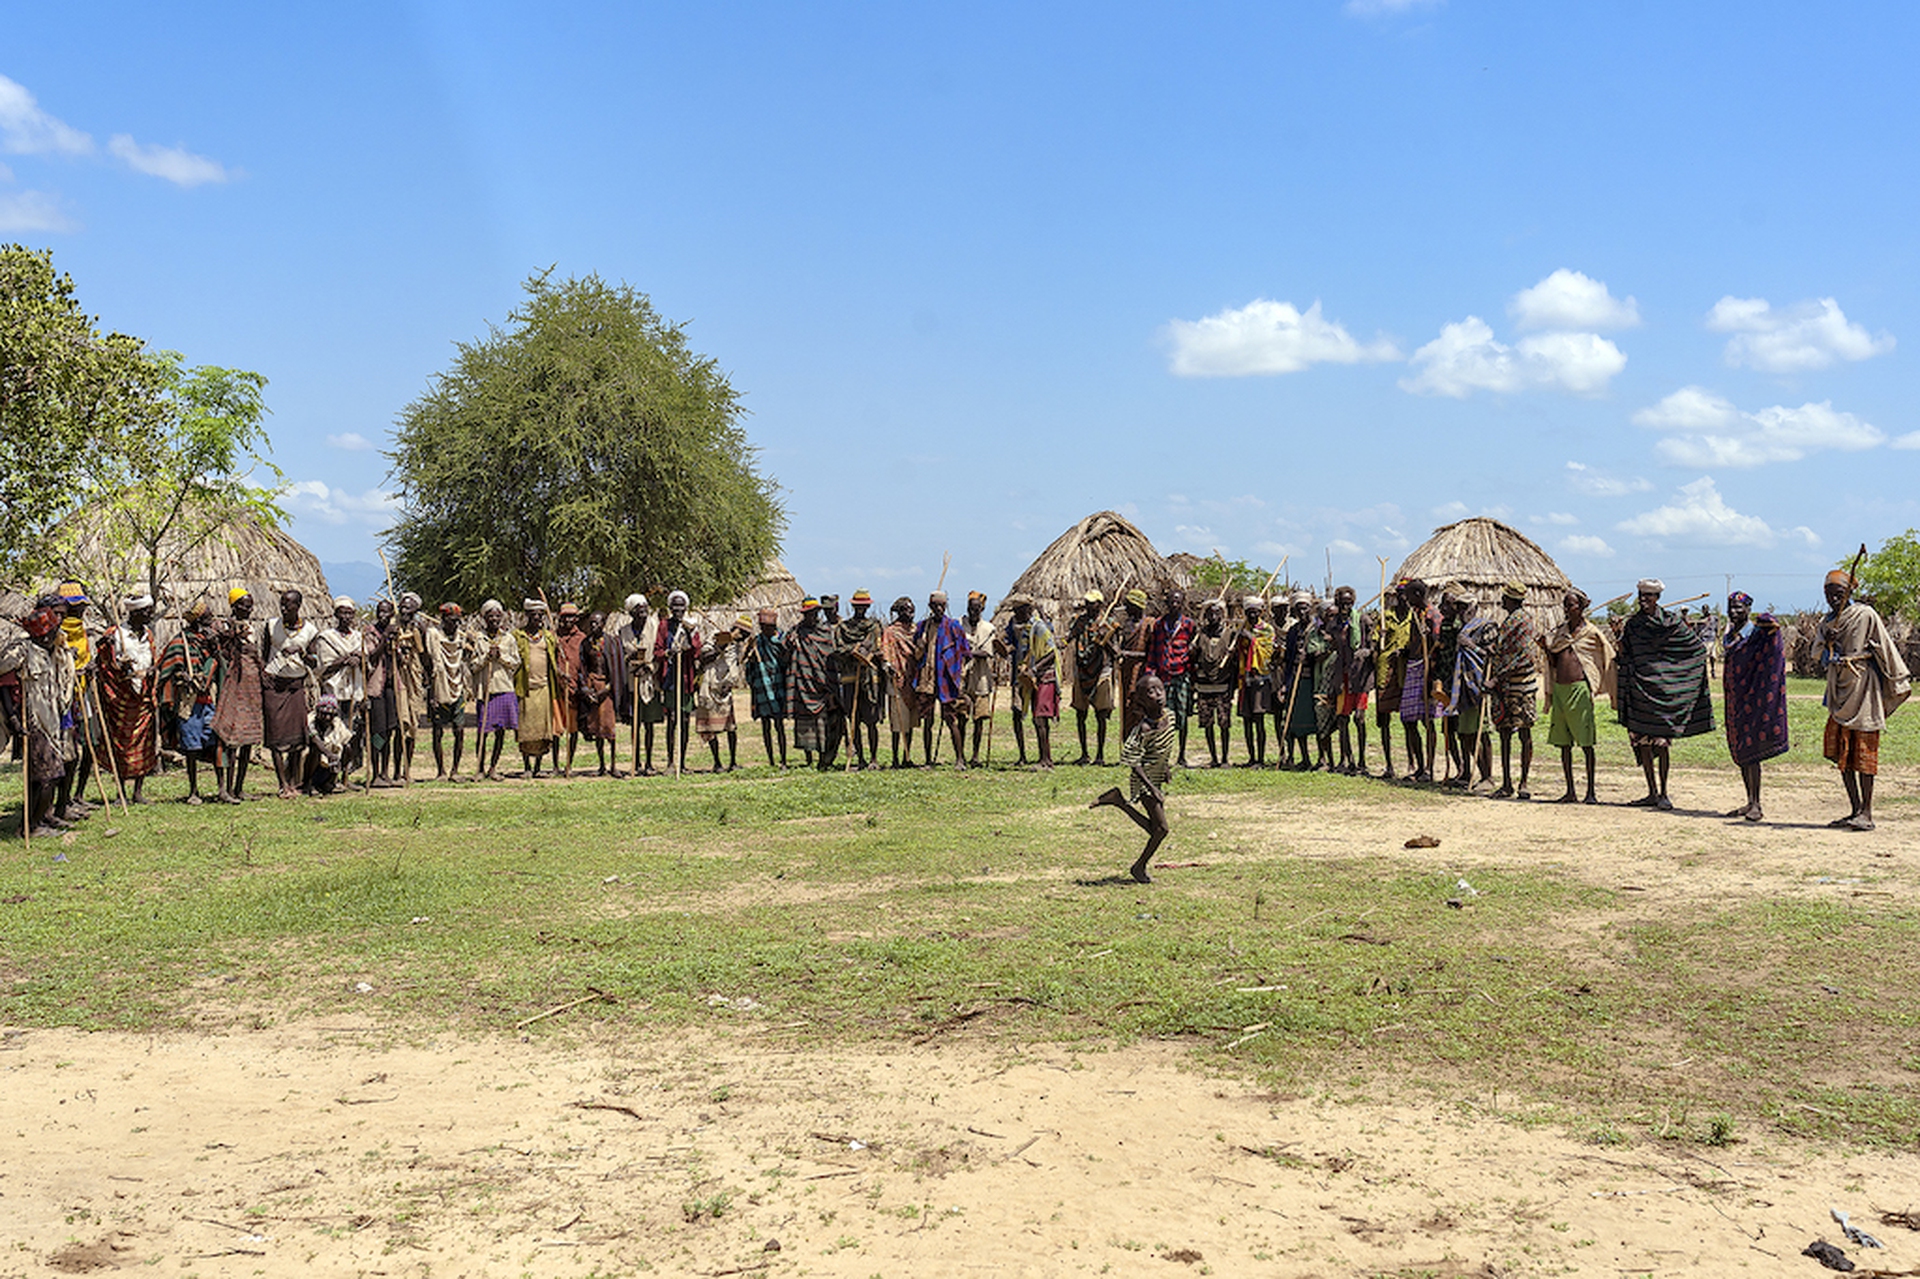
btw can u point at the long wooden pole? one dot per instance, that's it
(106, 745)
(99, 776)
(678, 724)
(26, 763)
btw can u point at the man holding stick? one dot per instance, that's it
(39, 654)
(1513, 688)
(979, 674)
(1090, 643)
(941, 651)
(1867, 680)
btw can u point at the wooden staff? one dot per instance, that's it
(86, 724)
(106, 747)
(1293, 690)
(678, 724)
(406, 778)
(26, 758)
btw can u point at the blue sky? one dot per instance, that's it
(1272, 279)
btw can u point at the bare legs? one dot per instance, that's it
(1507, 790)
(1654, 762)
(1150, 816)
(1566, 767)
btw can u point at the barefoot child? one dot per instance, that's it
(1148, 755)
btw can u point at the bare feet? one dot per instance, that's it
(1111, 795)
(1139, 872)
(1568, 798)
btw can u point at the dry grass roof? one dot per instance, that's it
(1478, 556)
(1103, 552)
(244, 551)
(776, 588)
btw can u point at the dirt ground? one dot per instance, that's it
(340, 1147)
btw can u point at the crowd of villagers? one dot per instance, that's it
(334, 701)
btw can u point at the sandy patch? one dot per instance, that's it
(321, 1149)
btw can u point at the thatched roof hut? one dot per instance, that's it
(776, 588)
(1103, 552)
(244, 551)
(1478, 556)
(1182, 565)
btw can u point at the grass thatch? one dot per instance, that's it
(1477, 557)
(241, 552)
(1103, 552)
(776, 588)
(1183, 565)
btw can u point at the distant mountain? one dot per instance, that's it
(359, 579)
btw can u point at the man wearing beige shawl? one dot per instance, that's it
(1866, 681)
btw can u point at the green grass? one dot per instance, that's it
(904, 906)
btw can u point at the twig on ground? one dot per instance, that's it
(557, 1009)
(604, 1105)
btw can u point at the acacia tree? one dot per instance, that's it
(583, 449)
(1891, 575)
(71, 401)
(181, 481)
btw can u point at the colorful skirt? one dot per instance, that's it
(500, 711)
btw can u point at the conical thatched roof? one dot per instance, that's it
(1103, 552)
(1477, 557)
(1181, 565)
(244, 551)
(776, 588)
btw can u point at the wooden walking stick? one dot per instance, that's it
(678, 726)
(106, 746)
(86, 725)
(26, 759)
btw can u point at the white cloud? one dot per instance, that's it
(1343, 546)
(1691, 408)
(1585, 544)
(1266, 337)
(1911, 440)
(1466, 358)
(1568, 300)
(352, 441)
(332, 505)
(1378, 8)
(1562, 518)
(1804, 534)
(1795, 339)
(1197, 537)
(1710, 431)
(175, 164)
(27, 130)
(6, 174)
(1699, 516)
(33, 211)
(1452, 511)
(1598, 484)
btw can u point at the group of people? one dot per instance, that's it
(333, 699)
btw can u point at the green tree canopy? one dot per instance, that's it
(1890, 577)
(70, 396)
(583, 449)
(177, 484)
